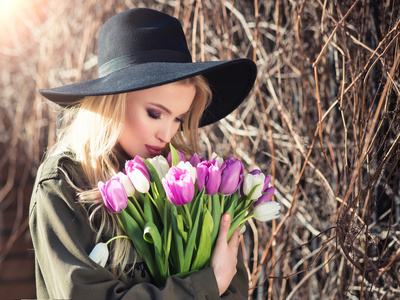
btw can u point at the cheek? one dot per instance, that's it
(139, 126)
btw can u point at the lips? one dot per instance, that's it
(153, 150)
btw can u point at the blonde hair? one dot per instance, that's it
(89, 138)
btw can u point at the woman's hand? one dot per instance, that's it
(224, 258)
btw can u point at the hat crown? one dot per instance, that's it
(138, 36)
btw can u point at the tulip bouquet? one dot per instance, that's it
(171, 208)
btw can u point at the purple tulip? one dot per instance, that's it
(114, 195)
(231, 176)
(178, 186)
(195, 160)
(266, 197)
(180, 155)
(267, 191)
(209, 176)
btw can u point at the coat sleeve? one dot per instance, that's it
(62, 239)
(239, 287)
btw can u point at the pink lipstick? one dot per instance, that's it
(154, 151)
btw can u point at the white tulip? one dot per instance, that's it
(99, 254)
(188, 166)
(139, 181)
(267, 211)
(250, 181)
(219, 159)
(129, 188)
(160, 164)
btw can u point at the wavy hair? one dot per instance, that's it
(89, 138)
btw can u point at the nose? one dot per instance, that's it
(166, 132)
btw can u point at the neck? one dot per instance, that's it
(121, 155)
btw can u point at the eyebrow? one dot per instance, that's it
(162, 107)
(166, 109)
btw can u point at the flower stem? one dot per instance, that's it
(117, 237)
(188, 216)
(137, 205)
(248, 217)
(222, 203)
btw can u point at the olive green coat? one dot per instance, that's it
(62, 239)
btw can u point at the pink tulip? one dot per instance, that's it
(178, 186)
(114, 195)
(138, 173)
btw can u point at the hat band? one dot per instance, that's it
(163, 55)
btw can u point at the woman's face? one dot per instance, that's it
(153, 116)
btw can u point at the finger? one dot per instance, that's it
(224, 228)
(234, 241)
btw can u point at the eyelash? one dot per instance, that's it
(153, 115)
(157, 117)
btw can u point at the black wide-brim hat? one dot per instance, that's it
(142, 48)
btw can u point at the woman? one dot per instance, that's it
(148, 94)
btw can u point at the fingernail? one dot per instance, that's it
(227, 217)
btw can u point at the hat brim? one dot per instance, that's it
(230, 82)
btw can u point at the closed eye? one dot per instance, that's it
(153, 114)
(180, 120)
(156, 116)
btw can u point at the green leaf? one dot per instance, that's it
(185, 274)
(231, 205)
(252, 191)
(181, 228)
(167, 236)
(148, 214)
(133, 211)
(235, 222)
(152, 235)
(216, 217)
(193, 233)
(177, 245)
(155, 178)
(241, 204)
(183, 210)
(133, 230)
(166, 224)
(167, 247)
(196, 203)
(203, 254)
(150, 210)
(157, 199)
(174, 156)
(222, 200)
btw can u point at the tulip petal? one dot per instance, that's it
(266, 197)
(178, 186)
(99, 254)
(231, 176)
(139, 181)
(113, 194)
(267, 211)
